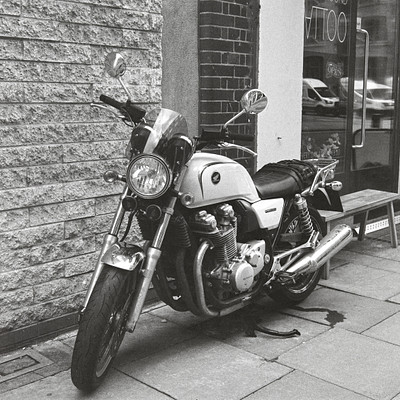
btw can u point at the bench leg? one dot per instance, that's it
(363, 225)
(326, 267)
(392, 225)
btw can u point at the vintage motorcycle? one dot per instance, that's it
(215, 239)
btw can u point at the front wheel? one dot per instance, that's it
(102, 327)
(298, 291)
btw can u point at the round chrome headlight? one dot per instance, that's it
(148, 176)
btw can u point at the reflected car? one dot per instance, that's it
(317, 97)
(379, 96)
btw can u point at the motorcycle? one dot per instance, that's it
(215, 239)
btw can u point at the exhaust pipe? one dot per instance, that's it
(330, 245)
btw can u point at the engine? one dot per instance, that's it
(230, 266)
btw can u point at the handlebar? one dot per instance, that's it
(224, 135)
(111, 102)
(128, 109)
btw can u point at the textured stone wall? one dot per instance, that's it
(54, 205)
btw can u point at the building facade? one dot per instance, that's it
(197, 57)
(339, 47)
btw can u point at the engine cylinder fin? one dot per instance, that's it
(224, 243)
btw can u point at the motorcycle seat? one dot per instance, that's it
(283, 179)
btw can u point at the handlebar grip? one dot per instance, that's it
(136, 113)
(127, 109)
(212, 135)
(219, 135)
(110, 101)
(241, 136)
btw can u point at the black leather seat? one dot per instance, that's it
(274, 181)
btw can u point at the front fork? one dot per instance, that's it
(109, 239)
(153, 254)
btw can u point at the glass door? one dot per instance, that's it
(349, 89)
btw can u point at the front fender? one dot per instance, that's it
(126, 258)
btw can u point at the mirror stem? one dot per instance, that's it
(125, 88)
(233, 118)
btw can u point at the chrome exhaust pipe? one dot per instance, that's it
(330, 245)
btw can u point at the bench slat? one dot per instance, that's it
(359, 202)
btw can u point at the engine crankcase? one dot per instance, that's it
(240, 273)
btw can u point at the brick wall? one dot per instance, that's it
(228, 45)
(54, 205)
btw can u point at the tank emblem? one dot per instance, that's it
(215, 178)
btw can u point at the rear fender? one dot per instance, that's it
(126, 258)
(326, 199)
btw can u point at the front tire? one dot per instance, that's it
(290, 294)
(102, 327)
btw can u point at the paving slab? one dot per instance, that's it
(374, 247)
(343, 310)
(60, 387)
(346, 256)
(365, 281)
(152, 334)
(33, 363)
(300, 386)
(395, 299)
(19, 381)
(186, 318)
(387, 265)
(388, 330)
(358, 363)
(206, 369)
(232, 329)
(270, 347)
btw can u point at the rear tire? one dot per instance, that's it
(297, 292)
(102, 328)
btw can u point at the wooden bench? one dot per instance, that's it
(361, 203)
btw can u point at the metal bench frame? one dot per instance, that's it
(362, 202)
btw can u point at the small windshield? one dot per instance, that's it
(159, 126)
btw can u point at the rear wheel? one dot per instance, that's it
(102, 327)
(296, 292)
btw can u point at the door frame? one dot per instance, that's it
(350, 177)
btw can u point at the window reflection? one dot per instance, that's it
(326, 39)
(333, 81)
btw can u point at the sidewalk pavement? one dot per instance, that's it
(349, 346)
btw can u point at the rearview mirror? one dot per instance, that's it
(115, 65)
(254, 101)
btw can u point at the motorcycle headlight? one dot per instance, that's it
(148, 176)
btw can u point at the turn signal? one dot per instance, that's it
(112, 176)
(335, 185)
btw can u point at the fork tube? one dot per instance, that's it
(109, 239)
(153, 255)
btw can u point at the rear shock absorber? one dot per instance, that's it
(304, 215)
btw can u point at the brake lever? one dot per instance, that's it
(120, 116)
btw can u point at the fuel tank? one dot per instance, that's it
(212, 179)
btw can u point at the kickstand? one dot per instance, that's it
(254, 326)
